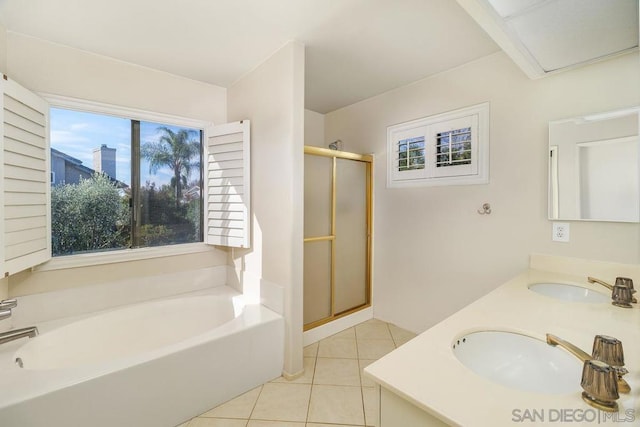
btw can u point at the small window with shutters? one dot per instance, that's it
(446, 149)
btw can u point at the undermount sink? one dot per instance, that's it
(569, 293)
(519, 362)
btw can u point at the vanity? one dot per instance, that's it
(434, 380)
(493, 363)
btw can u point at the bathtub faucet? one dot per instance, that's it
(15, 334)
(6, 306)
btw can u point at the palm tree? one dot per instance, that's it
(176, 150)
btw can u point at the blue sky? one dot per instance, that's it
(78, 133)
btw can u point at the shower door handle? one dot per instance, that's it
(319, 239)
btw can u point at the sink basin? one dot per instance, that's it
(519, 362)
(569, 293)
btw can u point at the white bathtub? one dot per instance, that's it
(152, 364)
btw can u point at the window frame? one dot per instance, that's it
(128, 254)
(477, 172)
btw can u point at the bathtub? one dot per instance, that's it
(152, 364)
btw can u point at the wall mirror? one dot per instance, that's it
(594, 167)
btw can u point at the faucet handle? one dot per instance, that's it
(625, 281)
(8, 304)
(608, 350)
(621, 296)
(600, 385)
(628, 283)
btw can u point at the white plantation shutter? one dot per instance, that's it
(455, 136)
(25, 216)
(228, 199)
(450, 148)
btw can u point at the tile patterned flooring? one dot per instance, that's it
(332, 392)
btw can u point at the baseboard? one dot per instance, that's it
(338, 325)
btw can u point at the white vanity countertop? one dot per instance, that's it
(427, 373)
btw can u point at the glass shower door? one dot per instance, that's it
(350, 262)
(337, 225)
(318, 189)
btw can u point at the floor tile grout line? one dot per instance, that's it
(313, 378)
(364, 411)
(395, 343)
(253, 408)
(364, 416)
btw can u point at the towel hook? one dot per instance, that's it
(486, 209)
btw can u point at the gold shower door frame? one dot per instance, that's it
(368, 160)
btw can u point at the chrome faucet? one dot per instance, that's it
(621, 293)
(6, 306)
(16, 334)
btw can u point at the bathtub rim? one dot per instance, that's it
(25, 384)
(159, 304)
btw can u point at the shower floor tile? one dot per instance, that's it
(332, 392)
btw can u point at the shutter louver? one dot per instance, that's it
(25, 185)
(228, 185)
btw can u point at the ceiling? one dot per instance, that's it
(355, 49)
(546, 36)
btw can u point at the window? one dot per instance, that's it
(445, 149)
(93, 176)
(123, 183)
(411, 153)
(453, 148)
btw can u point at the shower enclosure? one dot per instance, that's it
(337, 234)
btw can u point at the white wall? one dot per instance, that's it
(3, 49)
(314, 129)
(272, 97)
(433, 252)
(46, 67)
(52, 68)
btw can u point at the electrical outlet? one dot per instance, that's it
(560, 232)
